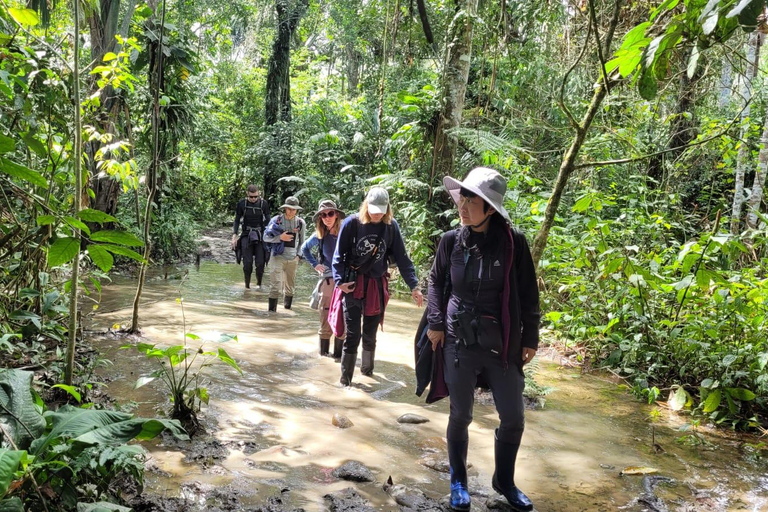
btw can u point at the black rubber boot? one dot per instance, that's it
(347, 368)
(247, 280)
(287, 303)
(324, 346)
(338, 345)
(457, 458)
(503, 480)
(273, 304)
(366, 368)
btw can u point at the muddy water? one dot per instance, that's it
(271, 431)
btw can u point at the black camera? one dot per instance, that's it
(465, 327)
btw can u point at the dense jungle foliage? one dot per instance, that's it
(634, 137)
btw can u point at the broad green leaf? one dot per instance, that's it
(223, 356)
(11, 505)
(22, 316)
(19, 408)
(72, 390)
(24, 16)
(9, 463)
(583, 203)
(101, 257)
(91, 215)
(45, 220)
(117, 237)
(123, 251)
(677, 399)
(91, 427)
(78, 224)
(109, 56)
(35, 145)
(713, 401)
(224, 337)
(729, 359)
(192, 336)
(647, 86)
(62, 251)
(202, 394)
(7, 144)
(22, 172)
(742, 394)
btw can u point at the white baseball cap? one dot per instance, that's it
(378, 200)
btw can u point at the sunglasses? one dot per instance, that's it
(253, 197)
(326, 215)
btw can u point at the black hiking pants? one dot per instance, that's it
(253, 253)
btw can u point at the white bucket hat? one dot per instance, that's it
(378, 200)
(485, 182)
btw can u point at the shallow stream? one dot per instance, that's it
(271, 432)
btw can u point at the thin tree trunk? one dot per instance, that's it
(77, 156)
(458, 55)
(743, 159)
(726, 78)
(756, 197)
(153, 172)
(353, 69)
(277, 103)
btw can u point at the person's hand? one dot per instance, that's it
(347, 287)
(286, 237)
(418, 296)
(528, 355)
(233, 242)
(436, 337)
(320, 269)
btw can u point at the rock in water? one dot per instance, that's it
(341, 421)
(353, 471)
(413, 419)
(412, 499)
(348, 500)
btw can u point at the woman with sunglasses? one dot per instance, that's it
(327, 224)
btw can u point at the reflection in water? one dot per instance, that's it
(275, 419)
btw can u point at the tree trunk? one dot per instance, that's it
(726, 79)
(566, 169)
(277, 103)
(756, 197)
(684, 126)
(743, 159)
(77, 152)
(458, 54)
(353, 69)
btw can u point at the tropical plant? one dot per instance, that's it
(68, 459)
(182, 368)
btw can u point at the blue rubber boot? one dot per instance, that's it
(457, 458)
(504, 477)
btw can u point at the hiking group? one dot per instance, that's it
(481, 323)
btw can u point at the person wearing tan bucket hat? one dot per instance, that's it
(286, 233)
(323, 242)
(483, 321)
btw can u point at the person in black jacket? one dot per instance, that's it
(487, 327)
(254, 213)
